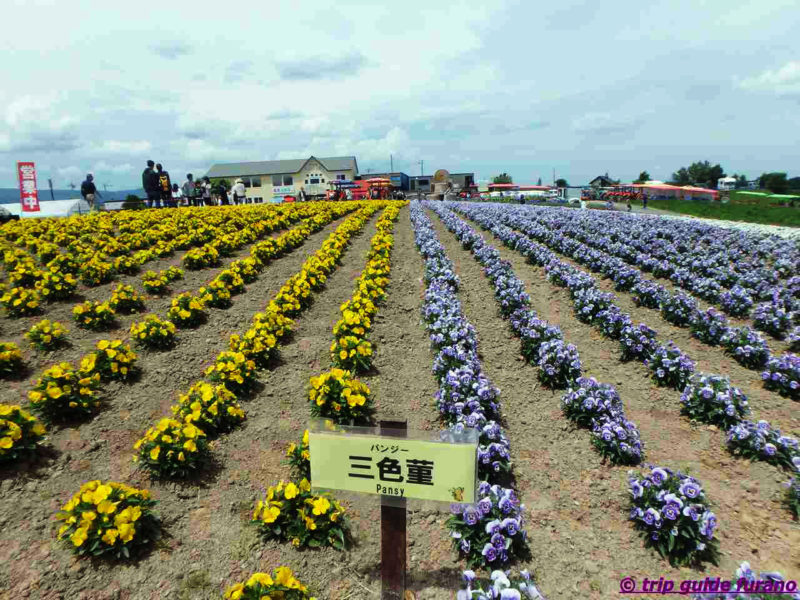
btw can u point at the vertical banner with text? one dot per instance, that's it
(28, 194)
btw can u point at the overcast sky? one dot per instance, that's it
(523, 87)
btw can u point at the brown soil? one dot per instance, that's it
(581, 540)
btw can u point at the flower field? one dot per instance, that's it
(633, 381)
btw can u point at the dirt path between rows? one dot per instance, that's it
(577, 508)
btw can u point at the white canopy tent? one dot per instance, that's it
(52, 208)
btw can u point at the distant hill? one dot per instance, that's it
(11, 195)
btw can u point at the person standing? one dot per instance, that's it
(239, 192)
(177, 196)
(190, 190)
(88, 191)
(205, 193)
(150, 185)
(164, 185)
(348, 194)
(301, 195)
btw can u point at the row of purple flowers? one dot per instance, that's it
(719, 404)
(744, 345)
(731, 269)
(489, 533)
(668, 507)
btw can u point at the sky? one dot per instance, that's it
(523, 87)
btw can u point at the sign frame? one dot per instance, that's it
(323, 429)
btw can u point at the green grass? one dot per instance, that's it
(753, 200)
(748, 213)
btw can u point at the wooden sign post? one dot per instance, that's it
(393, 533)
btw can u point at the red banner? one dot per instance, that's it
(28, 194)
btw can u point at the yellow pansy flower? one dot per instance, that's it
(79, 536)
(126, 532)
(261, 578)
(110, 536)
(321, 505)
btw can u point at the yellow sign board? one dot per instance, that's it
(392, 466)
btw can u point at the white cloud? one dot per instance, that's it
(600, 123)
(103, 166)
(34, 123)
(70, 172)
(784, 81)
(120, 147)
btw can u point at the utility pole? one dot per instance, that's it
(391, 164)
(50, 183)
(422, 167)
(554, 177)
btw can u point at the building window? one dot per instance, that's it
(323, 181)
(255, 181)
(314, 180)
(279, 180)
(246, 181)
(423, 182)
(341, 176)
(306, 181)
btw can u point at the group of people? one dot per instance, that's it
(160, 190)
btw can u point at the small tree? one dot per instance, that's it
(132, 202)
(502, 178)
(560, 182)
(539, 181)
(741, 181)
(774, 182)
(643, 177)
(220, 186)
(700, 172)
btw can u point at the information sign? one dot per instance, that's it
(358, 459)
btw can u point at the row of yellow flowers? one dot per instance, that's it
(95, 255)
(185, 450)
(178, 446)
(336, 394)
(291, 511)
(189, 310)
(63, 393)
(100, 315)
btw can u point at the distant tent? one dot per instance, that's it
(52, 208)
